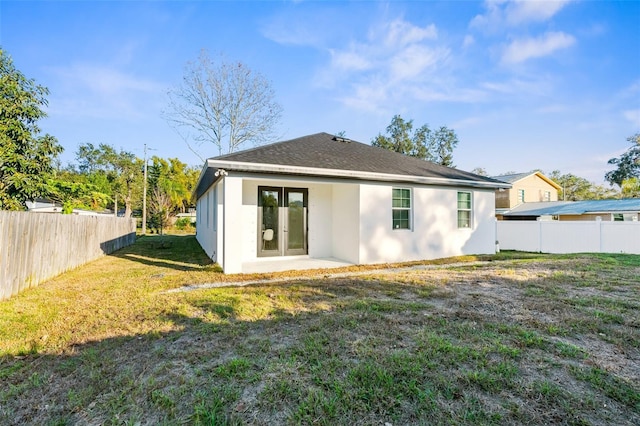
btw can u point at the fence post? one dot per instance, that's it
(539, 235)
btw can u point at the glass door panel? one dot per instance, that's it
(282, 221)
(296, 221)
(269, 209)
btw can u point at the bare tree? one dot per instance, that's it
(224, 103)
(160, 209)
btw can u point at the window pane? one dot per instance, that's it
(464, 219)
(464, 200)
(400, 219)
(401, 198)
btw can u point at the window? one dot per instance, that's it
(401, 208)
(464, 210)
(546, 196)
(520, 196)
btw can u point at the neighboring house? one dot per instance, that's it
(322, 196)
(41, 205)
(525, 188)
(607, 210)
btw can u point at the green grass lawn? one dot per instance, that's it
(521, 338)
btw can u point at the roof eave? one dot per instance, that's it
(348, 174)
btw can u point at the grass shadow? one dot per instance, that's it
(180, 252)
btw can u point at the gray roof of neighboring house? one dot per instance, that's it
(323, 154)
(550, 208)
(515, 177)
(512, 178)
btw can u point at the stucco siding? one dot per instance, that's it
(320, 220)
(319, 215)
(232, 224)
(434, 232)
(346, 222)
(205, 230)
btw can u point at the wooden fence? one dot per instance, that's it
(37, 246)
(554, 236)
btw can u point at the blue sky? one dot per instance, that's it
(526, 85)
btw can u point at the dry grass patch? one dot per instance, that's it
(525, 338)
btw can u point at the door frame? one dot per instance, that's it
(282, 233)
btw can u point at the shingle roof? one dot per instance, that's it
(512, 178)
(323, 151)
(575, 207)
(515, 177)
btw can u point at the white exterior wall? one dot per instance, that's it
(320, 221)
(349, 221)
(320, 215)
(434, 232)
(234, 230)
(206, 230)
(345, 230)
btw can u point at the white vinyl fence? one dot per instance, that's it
(569, 236)
(37, 246)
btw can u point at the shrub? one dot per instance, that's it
(184, 223)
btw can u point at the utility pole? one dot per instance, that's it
(144, 194)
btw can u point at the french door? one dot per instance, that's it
(282, 221)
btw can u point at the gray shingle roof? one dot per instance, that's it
(512, 178)
(325, 151)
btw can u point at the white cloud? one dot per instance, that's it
(468, 41)
(519, 86)
(103, 92)
(523, 49)
(521, 11)
(401, 33)
(349, 60)
(633, 116)
(412, 61)
(392, 62)
(511, 13)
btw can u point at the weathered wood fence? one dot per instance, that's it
(554, 236)
(36, 246)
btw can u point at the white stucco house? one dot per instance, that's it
(322, 196)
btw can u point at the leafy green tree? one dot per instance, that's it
(26, 157)
(76, 195)
(122, 171)
(630, 188)
(575, 188)
(175, 179)
(423, 143)
(627, 165)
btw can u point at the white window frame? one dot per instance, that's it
(468, 210)
(408, 209)
(520, 198)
